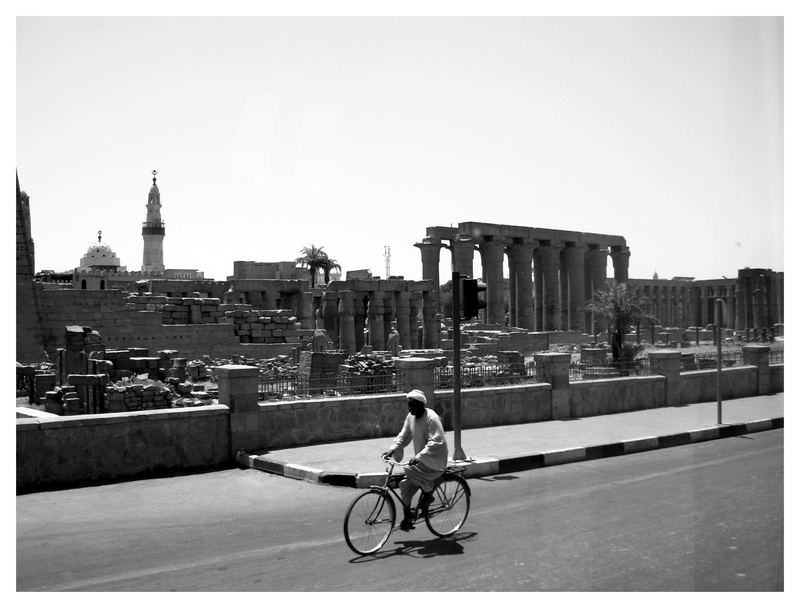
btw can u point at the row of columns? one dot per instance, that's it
(565, 275)
(352, 317)
(691, 305)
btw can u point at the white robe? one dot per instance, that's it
(430, 445)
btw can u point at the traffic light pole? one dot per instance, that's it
(458, 452)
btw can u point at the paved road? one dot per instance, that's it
(705, 516)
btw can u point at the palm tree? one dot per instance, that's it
(621, 307)
(313, 258)
(327, 265)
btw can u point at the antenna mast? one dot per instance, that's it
(387, 255)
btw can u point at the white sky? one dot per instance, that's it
(356, 133)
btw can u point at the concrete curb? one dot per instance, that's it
(491, 465)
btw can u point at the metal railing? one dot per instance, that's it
(609, 369)
(708, 360)
(486, 375)
(324, 385)
(776, 355)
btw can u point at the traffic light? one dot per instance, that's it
(471, 291)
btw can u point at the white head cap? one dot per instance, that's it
(417, 395)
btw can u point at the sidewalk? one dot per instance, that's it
(504, 449)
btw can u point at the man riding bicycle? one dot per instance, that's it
(424, 427)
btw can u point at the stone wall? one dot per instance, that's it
(123, 324)
(53, 452)
(296, 423)
(699, 386)
(106, 447)
(615, 395)
(494, 406)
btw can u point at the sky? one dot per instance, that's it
(357, 133)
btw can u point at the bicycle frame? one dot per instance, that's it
(386, 488)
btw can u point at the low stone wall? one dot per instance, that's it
(494, 406)
(615, 395)
(736, 382)
(53, 452)
(57, 451)
(294, 423)
(306, 422)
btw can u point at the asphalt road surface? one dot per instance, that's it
(700, 517)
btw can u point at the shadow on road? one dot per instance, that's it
(422, 548)
(496, 478)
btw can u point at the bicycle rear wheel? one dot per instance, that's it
(369, 521)
(450, 506)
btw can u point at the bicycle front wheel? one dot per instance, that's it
(450, 506)
(369, 521)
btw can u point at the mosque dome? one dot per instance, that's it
(100, 256)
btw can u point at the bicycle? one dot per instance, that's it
(370, 518)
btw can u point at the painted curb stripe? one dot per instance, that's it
(759, 425)
(605, 450)
(493, 466)
(347, 480)
(703, 435)
(520, 463)
(641, 445)
(270, 466)
(732, 430)
(668, 441)
(297, 471)
(562, 456)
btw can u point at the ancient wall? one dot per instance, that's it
(192, 326)
(107, 447)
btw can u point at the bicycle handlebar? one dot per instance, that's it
(388, 460)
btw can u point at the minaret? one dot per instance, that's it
(153, 232)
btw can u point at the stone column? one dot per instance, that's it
(553, 368)
(492, 258)
(596, 262)
(415, 305)
(730, 306)
(389, 314)
(359, 319)
(305, 309)
(430, 260)
(403, 327)
(550, 261)
(667, 363)
(759, 356)
(463, 252)
(521, 270)
(511, 252)
(238, 389)
(347, 332)
(430, 307)
(573, 256)
(538, 285)
(330, 306)
(620, 256)
(375, 311)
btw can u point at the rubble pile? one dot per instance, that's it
(141, 394)
(367, 373)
